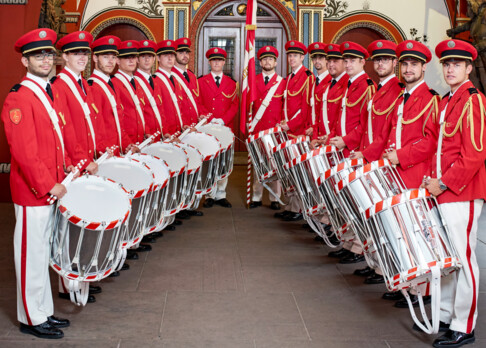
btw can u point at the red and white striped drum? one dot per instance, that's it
(260, 147)
(193, 173)
(227, 139)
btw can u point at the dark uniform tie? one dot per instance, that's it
(186, 75)
(266, 79)
(379, 86)
(132, 81)
(405, 97)
(291, 76)
(49, 91)
(111, 84)
(317, 81)
(80, 83)
(349, 83)
(217, 80)
(151, 82)
(172, 80)
(333, 82)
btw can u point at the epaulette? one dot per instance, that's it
(154, 76)
(200, 76)
(433, 92)
(53, 79)
(370, 82)
(16, 87)
(446, 95)
(472, 90)
(230, 77)
(308, 72)
(401, 84)
(90, 82)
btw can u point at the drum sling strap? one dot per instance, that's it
(285, 103)
(265, 104)
(173, 96)
(151, 100)
(325, 119)
(83, 105)
(313, 100)
(188, 92)
(135, 99)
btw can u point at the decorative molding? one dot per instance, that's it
(335, 8)
(363, 24)
(121, 20)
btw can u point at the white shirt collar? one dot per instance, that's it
(76, 77)
(297, 70)
(165, 72)
(352, 79)
(220, 75)
(39, 80)
(386, 80)
(125, 74)
(414, 88)
(323, 75)
(270, 76)
(452, 93)
(144, 74)
(179, 69)
(98, 73)
(340, 76)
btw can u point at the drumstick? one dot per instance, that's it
(201, 123)
(146, 142)
(104, 156)
(68, 179)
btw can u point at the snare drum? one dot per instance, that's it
(158, 193)
(138, 179)
(193, 173)
(227, 139)
(87, 234)
(210, 148)
(260, 147)
(177, 160)
(410, 239)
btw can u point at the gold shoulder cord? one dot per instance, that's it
(426, 119)
(387, 111)
(471, 120)
(298, 92)
(196, 92)
(367, 91)
(420, 114)
(232, 94)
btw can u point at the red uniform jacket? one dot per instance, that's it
(37, 162)
(171, 121)
(298, 98)
(318, 92)
(382, 106)
(78, 139)
(463, 154)
(273, 113)
(358, 95)
(418, 137)
(130, 121)
(104, 110)
(189, 113)
(334, 101)
(151, 123)
(222, 102)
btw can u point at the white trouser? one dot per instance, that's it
(258, 190)
(459, 291)
(293, 205)
(31, 254)
(219, 191)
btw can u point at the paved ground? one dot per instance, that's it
(233, 278)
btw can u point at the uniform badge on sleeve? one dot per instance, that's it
(15, 116)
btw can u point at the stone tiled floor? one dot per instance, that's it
(233, 278)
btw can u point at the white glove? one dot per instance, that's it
(217, 121)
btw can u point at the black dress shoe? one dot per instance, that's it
(208, 203)
(183, 215)
(374, 279)
(364, 272)
(415, 302)
(195, 212)
(318, 239)
(114, 274)
(334, 240)
(156, 234)
(275, 205)
(58, 322)
(125, 267)
(392, 295)
(351, 258)
(223, 202)
(454, 339)
(94, 289)
(282, 214)
(143, 247)
(176, 223)
(148, 239)
(443, 327)
(255, 204)
(44, 330)
(293, 217)
(169, 228)
(339, 253)
(132, 255)
(67, 296)
(91, 299)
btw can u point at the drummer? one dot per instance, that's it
(459, 183)
(267, 112)
(296, 110)
(38, 165)
(383, 55)
(219, 97)
(84, 127)
(105, 99)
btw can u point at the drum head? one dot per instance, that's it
(132, 174)
(195, 157)
(205, 143)
(222, 133)
(95, 199)
(174, 156)
(158, 167)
